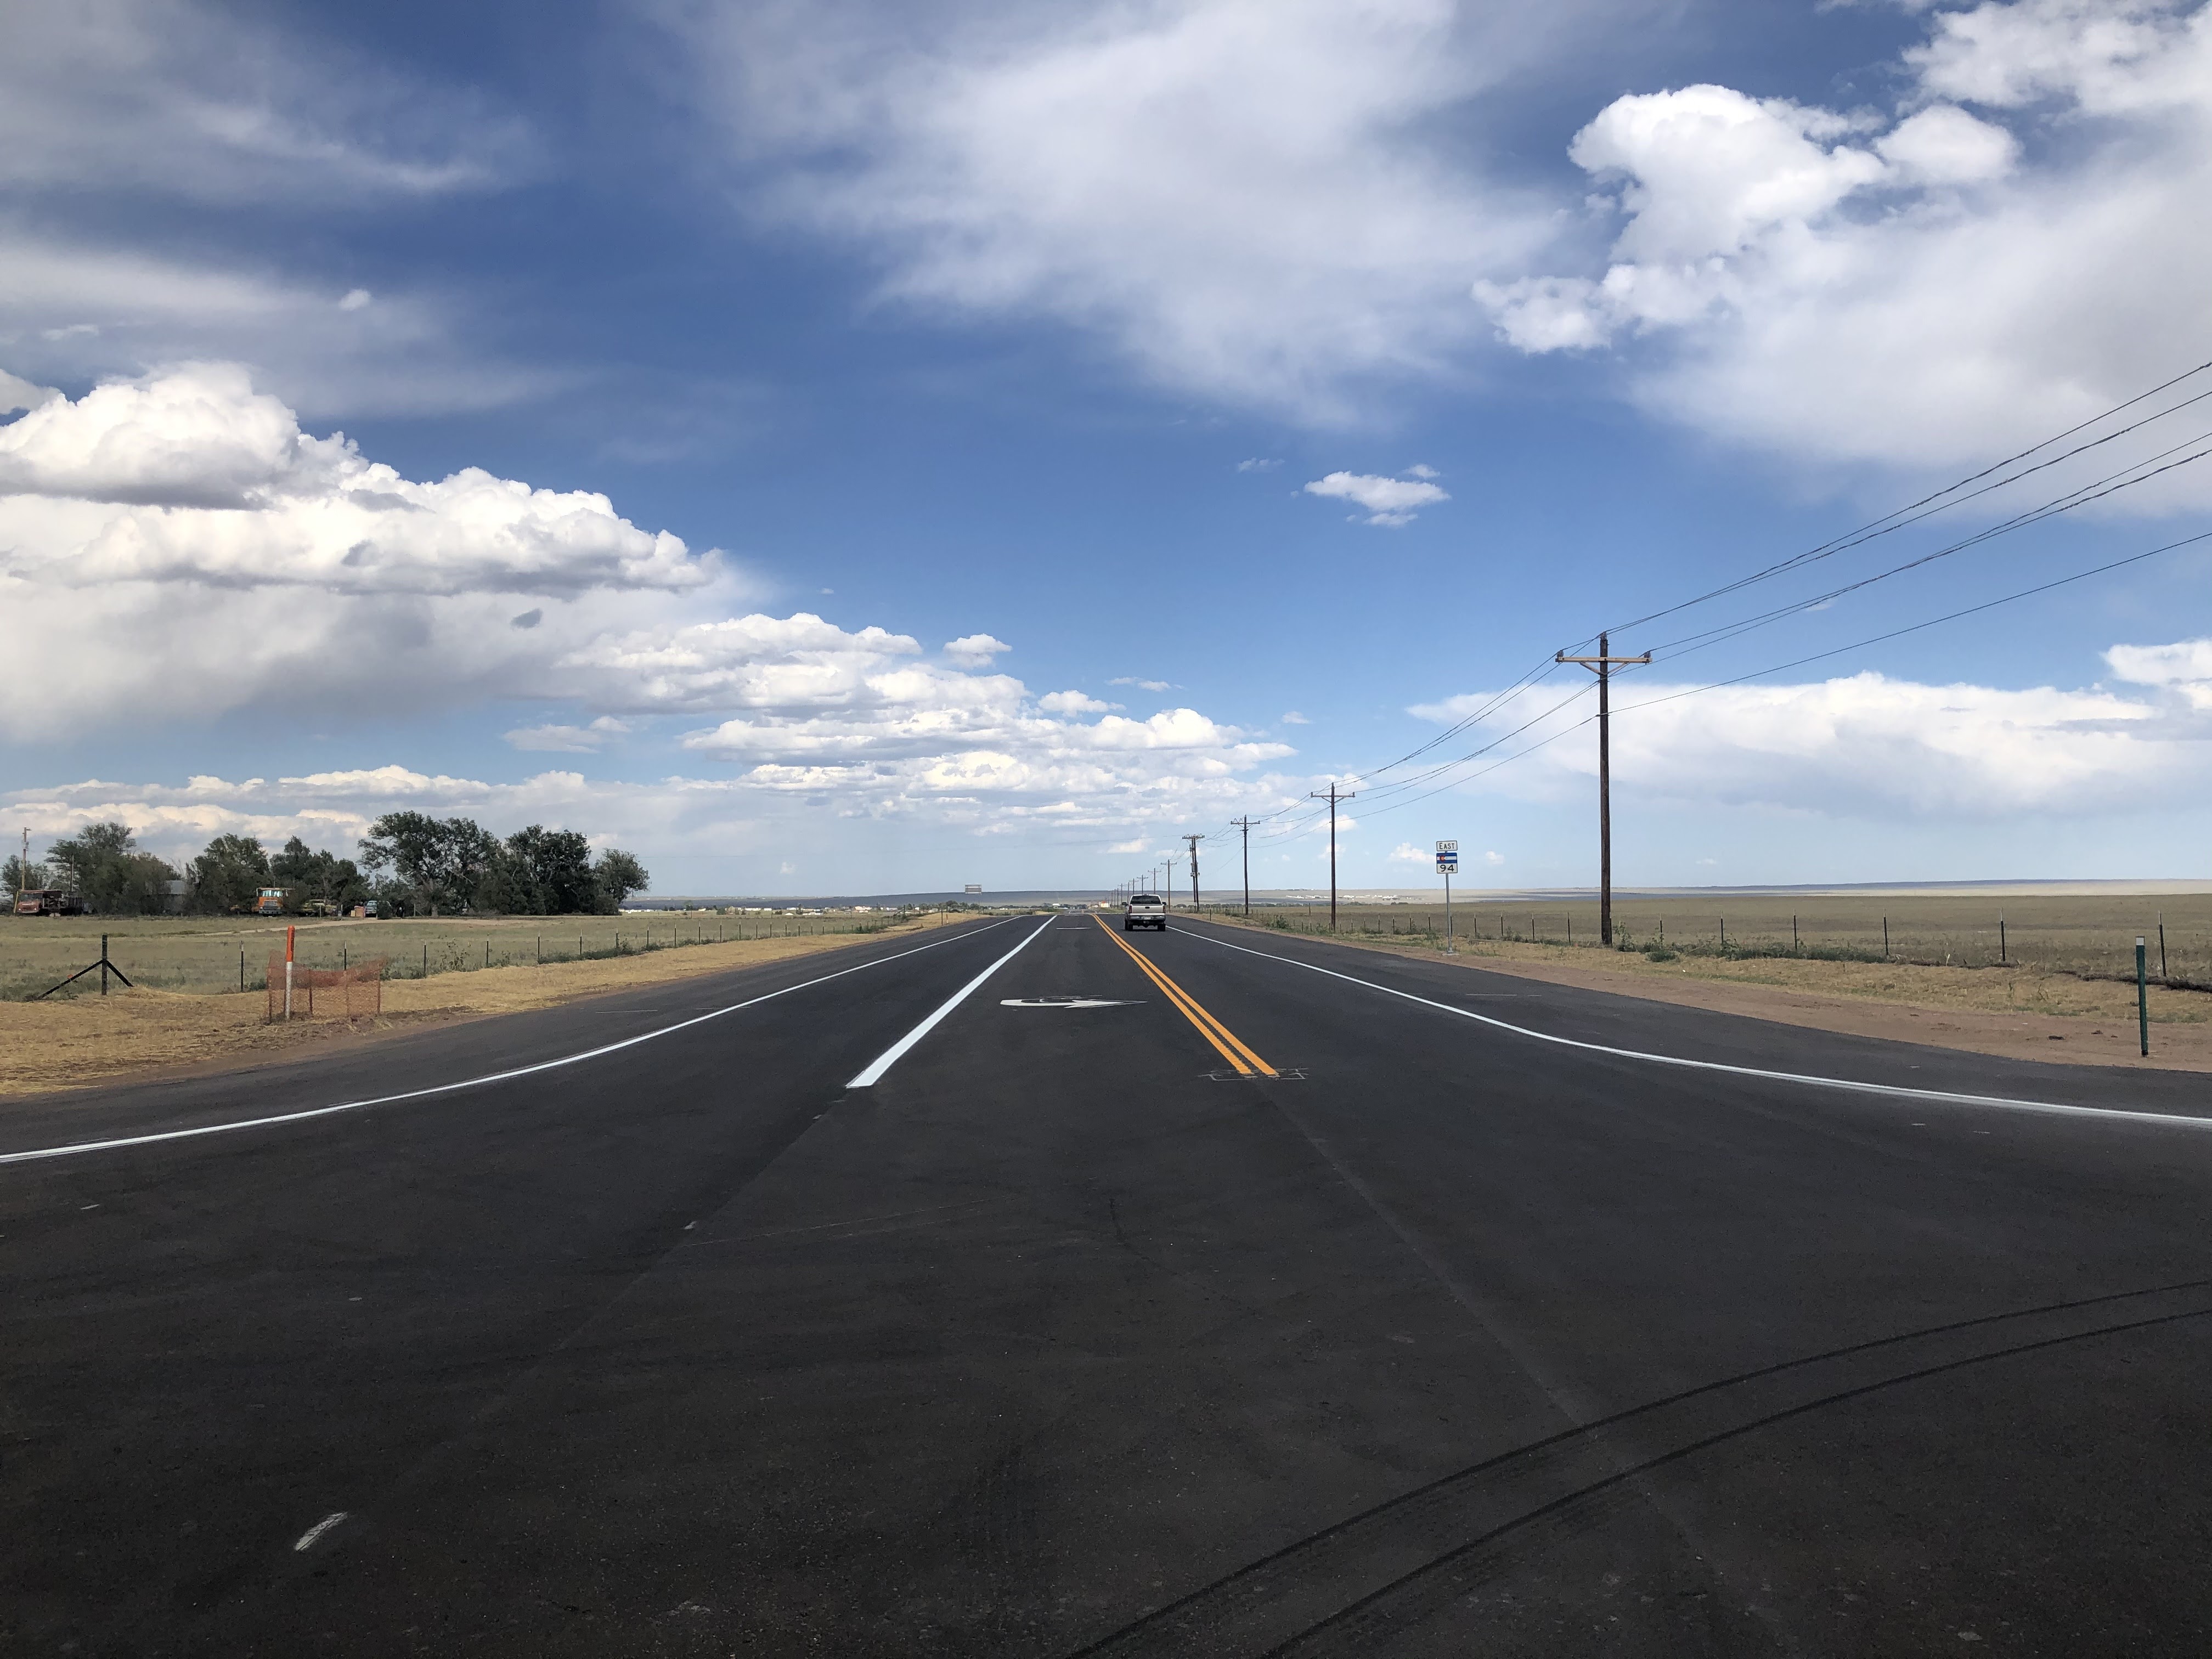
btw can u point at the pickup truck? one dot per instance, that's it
(1144, 910)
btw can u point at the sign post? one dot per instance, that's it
(1446, 862)
(288, 934)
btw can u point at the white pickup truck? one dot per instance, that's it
(1144, 910)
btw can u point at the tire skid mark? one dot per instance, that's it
(1374, 1572)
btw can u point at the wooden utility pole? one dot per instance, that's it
(1245, 825)
(1602, 665)
(1332, 797)
(1194, 840)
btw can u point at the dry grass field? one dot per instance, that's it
(71, 1044)
(212, 954)
(2089, 934)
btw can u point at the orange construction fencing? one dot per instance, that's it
(349, 992)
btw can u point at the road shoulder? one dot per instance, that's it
(2099, 1039)
(51, 1048)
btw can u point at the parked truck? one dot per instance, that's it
(49, 902)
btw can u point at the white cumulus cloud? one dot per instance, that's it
(1871, 746)
(1921, 287)
(974, 650)
(190, 550)
(1388, 502)
(1255, 199)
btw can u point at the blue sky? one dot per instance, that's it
(860, 446)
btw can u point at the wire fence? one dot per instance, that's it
(2088, 937)
(203, 956)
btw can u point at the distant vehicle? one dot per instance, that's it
(269, 902)
(1146, 910)
(49, 902)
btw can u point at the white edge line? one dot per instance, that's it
(890, 1056)
(1894, 1090)
(83, 1146)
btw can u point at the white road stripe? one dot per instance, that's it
(308, 1537)
(1893, 1091)
(890, 1056)
(84, 1146)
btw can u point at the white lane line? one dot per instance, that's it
(890, 1056)
(1893, 1091)
(83, 1146)
(307, 1538)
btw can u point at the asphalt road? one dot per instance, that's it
(1232, 1308)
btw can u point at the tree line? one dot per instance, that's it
(408, 863)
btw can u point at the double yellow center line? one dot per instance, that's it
(1224, 1040)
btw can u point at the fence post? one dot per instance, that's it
(1885, 938)
(241, 977)
(1724, 933)
(103, 964)
(2162, 973)
(1794, 946)
(2002, 960)
(2143, 1002)
(426, 962)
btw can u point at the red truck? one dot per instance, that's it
(49, 902)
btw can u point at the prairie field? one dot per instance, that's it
(2086, 935)
(204, 955)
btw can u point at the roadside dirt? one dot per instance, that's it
(1942, 1007)
(46, 1046)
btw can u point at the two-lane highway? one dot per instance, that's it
(1054, 1289)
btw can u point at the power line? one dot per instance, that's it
(1800, 662)
(1882, 525)
(1949, 496)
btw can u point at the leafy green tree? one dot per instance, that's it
(101, 862)
(19, 876)
(306, 874)
(229, 871)
(560, 866)
(443, 862)
(510, 886)
(618, 875)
